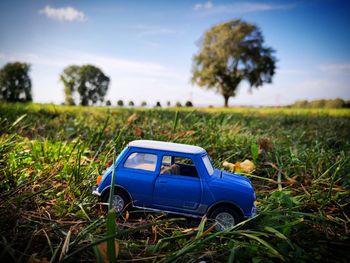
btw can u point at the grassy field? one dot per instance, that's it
(51, 155)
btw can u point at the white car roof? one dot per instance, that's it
(167, 146)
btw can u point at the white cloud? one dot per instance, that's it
(68, 13)
(336, 68)
(205, 6)
(209, 8)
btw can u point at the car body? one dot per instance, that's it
(176, 178)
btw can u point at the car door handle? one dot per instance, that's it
(163, 182)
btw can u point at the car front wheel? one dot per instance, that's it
(225, 217)
(120, 201)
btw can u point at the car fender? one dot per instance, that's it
(107, 189)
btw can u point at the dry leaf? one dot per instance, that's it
(229, 166)
(209, 229)
(132, 118)
(245, 167)
(36, 260)
(138, 131)
(187, 230)
(126, 216)
(265, 144)
(238, 168)
(102, 247)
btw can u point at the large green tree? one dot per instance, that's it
(86, 81)
(230, 53)
(15, 83)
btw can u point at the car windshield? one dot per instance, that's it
(208, 164)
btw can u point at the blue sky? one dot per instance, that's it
(146, 47)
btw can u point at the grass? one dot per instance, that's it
(51, 155)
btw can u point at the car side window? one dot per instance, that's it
(142, 161)
(176, 165)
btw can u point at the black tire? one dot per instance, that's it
(122, 196)
(222, 212)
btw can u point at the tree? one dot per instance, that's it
(168, 103)
(131, 104)
(347, 104)
(143, 104)
(188, 104)
(301, 104)
(178, 104)
(120, 103)
(336, 103)
(318, 103)
(108, 103)
(15, 83)
(158, 105)
(88, 81)
(71, 81)
(230, 53)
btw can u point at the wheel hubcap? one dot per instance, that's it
(225, 220)
(118, 203)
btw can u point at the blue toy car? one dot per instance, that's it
(177, 178)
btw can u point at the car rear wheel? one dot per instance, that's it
(225, 217)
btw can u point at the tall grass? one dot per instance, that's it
(51, 155)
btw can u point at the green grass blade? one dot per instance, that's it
(111, 230)
(267, 245)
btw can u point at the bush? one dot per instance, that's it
(336, 103)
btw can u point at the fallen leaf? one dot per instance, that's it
(238, 168)
(189, 230)
(265, 144)
(36, 260)
(132, 118)
(246, 167)
(102, 247)
(138, 131)
(126, 216)
(209, 229)
(190, 132)
(229, 166)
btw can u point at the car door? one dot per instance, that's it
(178, 185)
(137, 174)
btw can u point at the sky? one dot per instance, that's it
(146, 47)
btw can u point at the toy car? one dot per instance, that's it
(177, 178)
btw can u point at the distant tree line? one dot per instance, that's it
(120, 103)
(87, 85)
(83, 85)
(322, 103)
